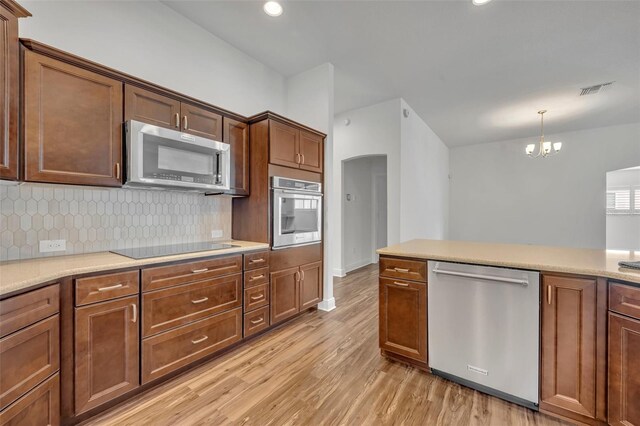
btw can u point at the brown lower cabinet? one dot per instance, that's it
(294, 290)
(40, 407)
(624, 370)
(107, 351)
(570, 383)
(171, 350)
(403, 318)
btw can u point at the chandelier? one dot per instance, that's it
(544, 148)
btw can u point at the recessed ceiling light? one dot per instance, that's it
(272, 8)
(480, 2)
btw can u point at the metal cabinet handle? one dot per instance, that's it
(298, 158)
(401, 270)
(255, 322)
(258, 297)
(185, 122)
(135, 312)
(200, 340)
(401, 284)
(256, 277)
(177, 120)
(302, 158)
(297, 276)
(197, 271)
(111, 287)
(549, 294)
(204, 299)
(117, 170)
(302, 275)
(256, 260)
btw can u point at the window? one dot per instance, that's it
(624, 200)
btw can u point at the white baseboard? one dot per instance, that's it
(357, 265)
(337, 272)
(327, 305)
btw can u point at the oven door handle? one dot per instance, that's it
(287, 191)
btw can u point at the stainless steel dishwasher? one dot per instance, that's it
(484, 329)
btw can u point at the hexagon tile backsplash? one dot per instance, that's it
(100, 219)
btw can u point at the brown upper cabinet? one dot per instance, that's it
(571, 341)
(159, 110)
(72, 124)
(9, 50)
(236, 134)
(295, 148)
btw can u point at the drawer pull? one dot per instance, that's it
(204, 299)
(258, 321)
(256, 277)
(200, 340)
(111, 287)
(256, 260)
(197, 271)
(401, 284)
(401, 270)
(258, 297)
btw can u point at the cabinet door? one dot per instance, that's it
(310, 285)
(148, 107)
(624, 370)
(568, 378)
(311, 152)
(72, 124)
(236, 134)
(106, 351)
(403, 318)
(201, 122)
(284, 145)
(285, 298)
(8, 94)
(41, 406)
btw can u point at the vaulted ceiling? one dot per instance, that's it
(474, 74)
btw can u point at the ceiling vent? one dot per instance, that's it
(592, 90)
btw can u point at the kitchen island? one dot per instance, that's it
(587, 306)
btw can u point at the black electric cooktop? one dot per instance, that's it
(157, 251)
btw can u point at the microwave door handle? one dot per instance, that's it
(218, 172)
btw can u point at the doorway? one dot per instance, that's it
(364, 210)
(623, 209)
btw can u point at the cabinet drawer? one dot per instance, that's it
(182, 273)
(106, 287)
(169, 351)
(256, 277)
(256, 297)
(256, 260)
(413, 270)
(175, 306)
(624, 299)
(39, 407)
(27, 358)
(20, 311)
(256, 321)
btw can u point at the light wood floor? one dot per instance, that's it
(324, 368)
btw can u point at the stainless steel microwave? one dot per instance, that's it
(165, 158)
(297, 212)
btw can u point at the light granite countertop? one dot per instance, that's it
(601, 263)
(19, 275)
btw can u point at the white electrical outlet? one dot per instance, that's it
(217, 233)
(47, 246)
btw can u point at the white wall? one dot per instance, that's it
(373, 130)
(424, 190)
(151, 41)
(309, 100)
(499, 194)
(623, 230)
(417, 172)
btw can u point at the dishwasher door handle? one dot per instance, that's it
(523, 282)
